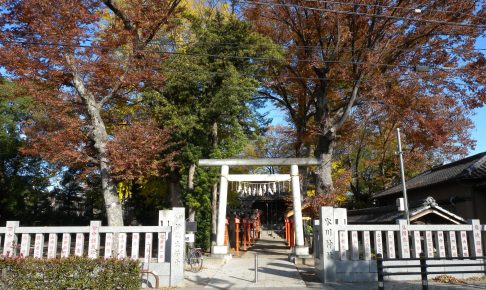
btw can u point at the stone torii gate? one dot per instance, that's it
(294, 163)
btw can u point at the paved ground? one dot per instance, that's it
(276, 272)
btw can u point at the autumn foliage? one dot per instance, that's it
(361, 63)
(80, 60)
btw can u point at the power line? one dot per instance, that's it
(343, 48)
(366, 14)
(269, 59)
(415, 9)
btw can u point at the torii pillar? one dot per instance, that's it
(220, 248)
(300, 249)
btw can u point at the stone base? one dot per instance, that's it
(301, 251)
(304, 260)
(219, 250)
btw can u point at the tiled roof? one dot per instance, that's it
(473, 167)
(390, 213)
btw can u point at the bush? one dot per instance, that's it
(69, 273)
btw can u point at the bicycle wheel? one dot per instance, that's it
(196, 261)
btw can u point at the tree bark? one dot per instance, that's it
(190, 188)
(214, 194)
(175, 190)
(214, 210)
(114, 211)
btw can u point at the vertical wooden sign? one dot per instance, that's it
(390, 244)
(367, 245)
(452, 244)
(109, 245)
(148, 248)
(52, 246)
(429, 245)
(39, 246)
(439, 241)
(79, 246)
(161, 247)
(122, 246)
(66, 245)
(378, 242)
(417, 244)
(135, 245)
(354, 246)
(25, 245)
(464, 249)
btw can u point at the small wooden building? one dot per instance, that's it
(458, 187)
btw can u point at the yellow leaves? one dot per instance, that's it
(342, 178)
(201, 8)
(124, 190)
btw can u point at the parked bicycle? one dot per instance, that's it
(194, 259)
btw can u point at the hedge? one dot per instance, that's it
(69, 273)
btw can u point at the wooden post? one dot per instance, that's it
(245, 222)
(248, 232)
(292, 234)
(237, 224)
(286, 221)
(226, 235)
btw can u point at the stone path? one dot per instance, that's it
(239, 272)
(276, 272)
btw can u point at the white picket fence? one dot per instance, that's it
(347, 252)
(159, 248)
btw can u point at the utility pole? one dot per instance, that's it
(402, 173)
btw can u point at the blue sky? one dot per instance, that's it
(478, 133)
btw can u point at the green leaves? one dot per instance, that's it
(69, 273)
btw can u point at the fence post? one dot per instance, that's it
(477, 247)
(94, 239)
(423, 272)
(10, 242)
(379, 268)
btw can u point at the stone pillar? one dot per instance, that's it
(220, 248)
(325, 266)
(176, 219)
(299, 249)
(10, 243)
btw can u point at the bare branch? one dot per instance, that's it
(349, 105)
(126, 22)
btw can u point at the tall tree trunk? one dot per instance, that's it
(175, 190)
(113, 207)
(214, 211)
(190, 188)
(214, 193)
(100, 137)
(326, 138)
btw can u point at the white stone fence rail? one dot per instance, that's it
(159, 248)
(60, 242)
(347, 252)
